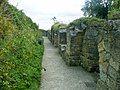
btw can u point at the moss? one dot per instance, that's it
(88, 21)
(58, 26)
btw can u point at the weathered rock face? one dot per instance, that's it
(90, 55)
(74, 46)
(62, 42)
(54, 32)
(95, 45)
(109, 61)
(44, 32)
(62, 36)
(49, 35)
(55, 39)
(82, 45)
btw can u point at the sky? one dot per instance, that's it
(42, 11)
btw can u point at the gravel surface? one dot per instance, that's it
(59, 76)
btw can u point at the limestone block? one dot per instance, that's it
(104, 67)
(114, 64)
(62, 36)
(111, 84)
(116, 24)
(104, 57)
(74, 46)
(101, 85)
(101, 46)
(109, 53)
(90, 55)
(118, 82)
(103, 76)
(88, 64)
(112, 72)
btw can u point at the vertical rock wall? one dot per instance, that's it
(90, 55)
(109, 61)
(62, 42)
(49, 35)
(55, 38)
(95, 45)
(82, 45)
(74, 46)
(54, 32)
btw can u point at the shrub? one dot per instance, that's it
(20, 53)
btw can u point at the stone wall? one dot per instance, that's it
(49, 35)
(55, 38)
(109, 61)
(62, 36)
(90, 55)
(54, 32)
(74, 46)
(44, 32)
(62, 42)
(82, 43)
(95, 45)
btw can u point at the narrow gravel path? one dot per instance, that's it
(59, 76)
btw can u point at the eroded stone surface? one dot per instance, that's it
(95, 43)
(109, 60)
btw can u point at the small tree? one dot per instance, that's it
(97, 8)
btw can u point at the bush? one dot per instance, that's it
(114, 15)
(20, 53)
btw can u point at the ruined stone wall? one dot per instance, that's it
(49, 35)
(95, 45)
(54, 32)
(55, 39)
(52, 35)
(82, 48)
(74, 46)
(44, 33)
(62, 36)
(109, 57)
(82, 45)
(90, 55)
(62, 42)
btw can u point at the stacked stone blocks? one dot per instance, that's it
(62, 42)
(109, 61)
(95, 46)
(74, 46)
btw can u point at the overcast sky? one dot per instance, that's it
(42, 11)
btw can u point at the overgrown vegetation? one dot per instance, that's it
(103, 9)
(114, 13)
(20, 53)
(88, 22)
(58, 26)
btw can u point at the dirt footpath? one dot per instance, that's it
(59, 76)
